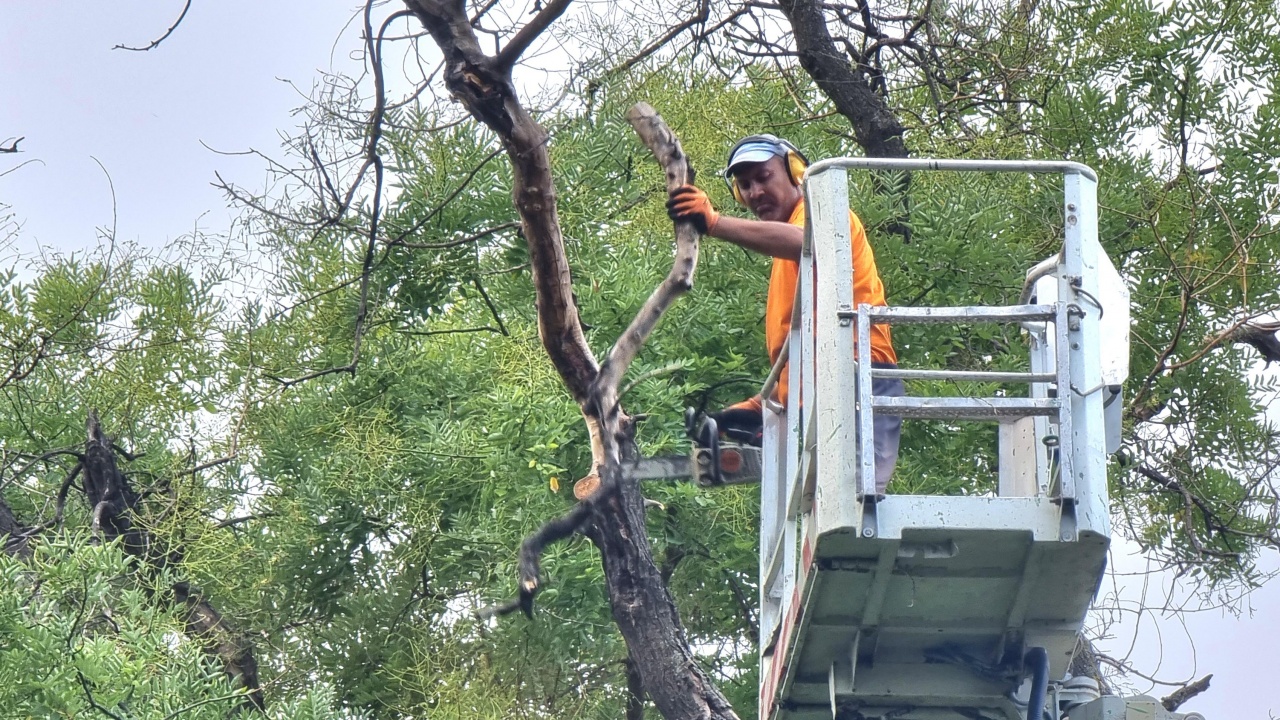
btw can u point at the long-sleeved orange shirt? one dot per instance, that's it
(867, 288)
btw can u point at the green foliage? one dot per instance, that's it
(361, 519)
(80, 634)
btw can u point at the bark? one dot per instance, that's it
(483, 85)
(646, 613)
(1180, 696)
(875, 126)
(613, 515)
(13, 533)
(114, 504)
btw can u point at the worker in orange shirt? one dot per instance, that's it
(764, 173)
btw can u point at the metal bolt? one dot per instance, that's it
(1075, 346)
(1071, 207)
(1066, 537)
(868, 532)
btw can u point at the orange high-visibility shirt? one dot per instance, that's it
(867, 288)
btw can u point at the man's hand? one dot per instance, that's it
(690, 204)
(742, 422)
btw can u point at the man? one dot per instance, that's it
(764, 172)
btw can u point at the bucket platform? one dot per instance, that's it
(924, 607)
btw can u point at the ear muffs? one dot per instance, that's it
(795, 160)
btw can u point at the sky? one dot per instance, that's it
(222, 81)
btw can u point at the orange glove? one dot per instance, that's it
(689, 204)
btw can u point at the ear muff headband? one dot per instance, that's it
(796, 161)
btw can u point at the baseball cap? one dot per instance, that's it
(754, 151)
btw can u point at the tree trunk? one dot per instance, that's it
(642, 606)
(875, 126)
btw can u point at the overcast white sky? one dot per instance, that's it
(220, 81)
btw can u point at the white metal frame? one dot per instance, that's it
(818, 469)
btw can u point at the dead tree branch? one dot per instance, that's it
(530, 558)
(115, 503)
(666, 148)
(1175, 699)
(506, 59)
(373, 159)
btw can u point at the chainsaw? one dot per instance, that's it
(713, 461)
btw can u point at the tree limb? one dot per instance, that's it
(875, 126)
(531, 558)
(114, 503)
(666, 148)
(1175, 699)
(507, 57)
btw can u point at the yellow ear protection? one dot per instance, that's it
(796, 161)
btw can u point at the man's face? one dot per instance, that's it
(767, 189)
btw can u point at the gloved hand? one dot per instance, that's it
(742, 421)
(689, 203)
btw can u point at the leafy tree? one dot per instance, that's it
(340, 438)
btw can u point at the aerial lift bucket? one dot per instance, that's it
(926, 607)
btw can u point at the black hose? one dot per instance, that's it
(1038, 659)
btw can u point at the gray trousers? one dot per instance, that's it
(886, 429)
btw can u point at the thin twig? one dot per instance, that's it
(454, 243)
(492, 308)
(155, 43)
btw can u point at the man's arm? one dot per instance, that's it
(775, 239)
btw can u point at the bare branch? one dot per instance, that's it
(1175, 699)
(666, 148)
(373, 45)
(506, 59)
(452, 331)
(489, 303)
(531, 555)
(699, 17)
(13, 146)
(155, 43)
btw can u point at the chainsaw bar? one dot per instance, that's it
(739, 464)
